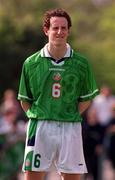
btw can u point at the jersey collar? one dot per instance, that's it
(45, 53)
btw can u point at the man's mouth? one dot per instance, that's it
(59, 37)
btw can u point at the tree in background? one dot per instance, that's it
(94, 35)
(20, 35)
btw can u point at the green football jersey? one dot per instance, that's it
(54, 89)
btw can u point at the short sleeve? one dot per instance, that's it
(89, 88)
(24, 87)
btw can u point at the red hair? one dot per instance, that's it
(56, 13)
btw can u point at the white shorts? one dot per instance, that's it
(51, 143)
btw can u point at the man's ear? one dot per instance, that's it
(45, 29)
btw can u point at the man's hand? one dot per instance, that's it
(83, 106)
(25, 105)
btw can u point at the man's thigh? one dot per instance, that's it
(32, 175)
(70, 176)
(53, 175)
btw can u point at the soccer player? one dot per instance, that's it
(56, 86)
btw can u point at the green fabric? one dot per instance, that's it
(32, 129)
(28, 161)
(54, 91)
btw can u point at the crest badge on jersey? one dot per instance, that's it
(27, 163)
(57, 76)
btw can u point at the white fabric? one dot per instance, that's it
(103, 106)
(59, 144)
(45, 53)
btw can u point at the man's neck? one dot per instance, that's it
(57, 52)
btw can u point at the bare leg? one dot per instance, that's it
(66, 176)
(31, 175)
(53, 175)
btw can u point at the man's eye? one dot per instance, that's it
(55, 28)
(63, 28)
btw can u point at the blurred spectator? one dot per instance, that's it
(12, 137)
(102, 103)
(111, 135)
(9, 99)
(93, 134)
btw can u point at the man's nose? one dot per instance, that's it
(59, 30)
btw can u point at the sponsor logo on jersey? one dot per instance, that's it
(57, 76)
(56, 69)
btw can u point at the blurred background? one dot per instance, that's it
(93, 35)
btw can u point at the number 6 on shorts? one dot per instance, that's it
(37, 160)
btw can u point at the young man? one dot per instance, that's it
(56, 86)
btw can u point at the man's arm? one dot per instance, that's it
(25, 105)
(83, 106)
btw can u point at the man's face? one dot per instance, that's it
(58, 30)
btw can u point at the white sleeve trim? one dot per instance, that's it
(88, 95)
(25, 97)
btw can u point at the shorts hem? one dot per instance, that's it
(37, 170)
(72, 172)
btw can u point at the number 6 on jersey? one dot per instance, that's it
(56, 91)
